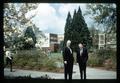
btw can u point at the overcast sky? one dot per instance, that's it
(51, 17)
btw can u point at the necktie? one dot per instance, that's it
(70, 50)
(81, 51)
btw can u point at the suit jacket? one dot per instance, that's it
(67, 55)
(84, 56)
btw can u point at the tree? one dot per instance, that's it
(105, 15)
(81, 31)
(78, 32)
(14, 21)
(61, 45)
(67, 34)
(30, 37)
(95, 38)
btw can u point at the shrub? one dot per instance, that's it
(106, 58)
(33, 59)
(50, 64)
(20, 62)
(110, 63)
(58, 57)
(93, 61)
(106, 53)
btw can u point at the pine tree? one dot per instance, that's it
(86, 34)
(67, 34)
(77, 31)
(80, 30)
(29, 33)
(74, 33)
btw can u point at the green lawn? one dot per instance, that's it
(56, 56)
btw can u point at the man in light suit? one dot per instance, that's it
(82, 57)
(9, 59)
(68, 60)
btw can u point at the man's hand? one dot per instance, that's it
(65, 62)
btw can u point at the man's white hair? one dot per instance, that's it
(68, 41)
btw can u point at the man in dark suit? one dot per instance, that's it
(68, 60)
(82, 57)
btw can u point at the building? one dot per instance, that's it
(60, 38)
(48, 41)
(111, 40)
(107, 39)
(54, 46)
(101, 42)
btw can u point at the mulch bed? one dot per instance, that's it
(43, 69)
(104, 68)
(28, 77)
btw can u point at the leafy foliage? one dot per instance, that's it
(103, 58)
(104, 14)
(37, 59)
(30, 37)
(68, 27)
(14, 22)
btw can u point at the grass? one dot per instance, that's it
(57, 57)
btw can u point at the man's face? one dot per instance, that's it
(68, 44)
(80, 46)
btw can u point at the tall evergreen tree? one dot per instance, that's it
(29, 33)
(80, 31)
(67, 34)
(77, 31)
(85, 34)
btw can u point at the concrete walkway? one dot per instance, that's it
(92, 73)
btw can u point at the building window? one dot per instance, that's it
(101, 47)
(102, 37)
(101, 42)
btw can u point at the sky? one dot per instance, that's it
(51, 17)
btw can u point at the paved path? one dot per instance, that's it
(92, 73)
